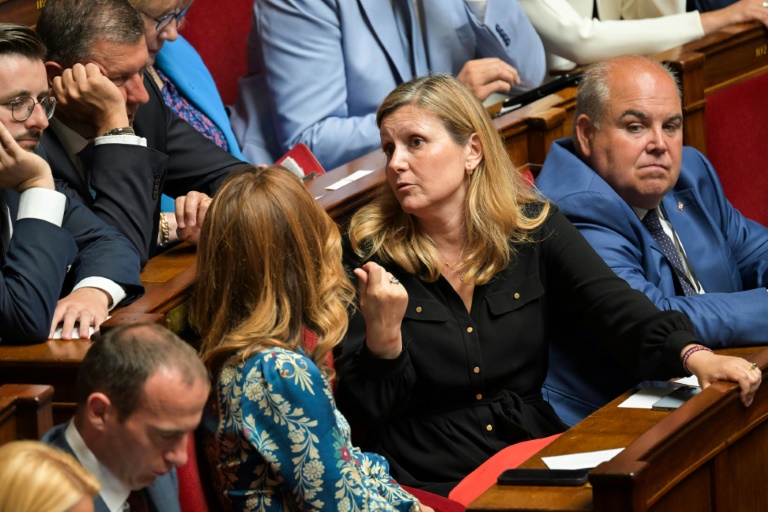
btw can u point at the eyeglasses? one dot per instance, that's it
(23, 106)
(166, 19)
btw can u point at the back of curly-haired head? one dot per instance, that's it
(36, 477)
(268, 266)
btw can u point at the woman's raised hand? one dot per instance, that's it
(383, 301)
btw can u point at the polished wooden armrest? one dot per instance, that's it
(25, 411)
(707, 455)
(25, 12)
(343, 202)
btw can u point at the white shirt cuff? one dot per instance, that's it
(42, 203)
(114, 290)
(134, 140)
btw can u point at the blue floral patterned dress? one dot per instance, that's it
(276, 441)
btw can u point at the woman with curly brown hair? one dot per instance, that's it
(269, 270)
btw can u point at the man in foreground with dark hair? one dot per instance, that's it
(140, 391)
(52, 245)
(113, 138)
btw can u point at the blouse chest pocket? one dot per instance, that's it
(425, 310)
(515, 296)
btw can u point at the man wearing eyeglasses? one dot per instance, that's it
(49, 241)
(120, 158)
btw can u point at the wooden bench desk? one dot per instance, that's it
(709, 455)
(56, 362)
(25, 12)
(529, 131)
(168, 280)
(25, 411)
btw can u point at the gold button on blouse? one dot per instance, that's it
(476, 369)
(418, 309)
(469, 329)
(479, 396)
(489, 428)
(517, 296)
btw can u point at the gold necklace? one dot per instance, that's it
(450, 267)
(155, 76)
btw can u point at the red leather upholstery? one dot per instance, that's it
(481, 479)
(192, 496)
(737, 124)
(218, 31)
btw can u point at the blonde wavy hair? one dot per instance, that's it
(268, 266)
(498, 211)
(35, 477)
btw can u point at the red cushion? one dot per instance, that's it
(737, 121)
(437, 502)
(218, 31)
(481, 479)
(191, 494)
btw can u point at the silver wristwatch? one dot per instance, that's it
(127, 130)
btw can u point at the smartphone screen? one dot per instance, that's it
(676, 398)
(544, 477)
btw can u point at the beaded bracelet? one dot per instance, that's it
(692, 350)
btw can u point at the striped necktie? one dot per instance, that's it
(652, 222)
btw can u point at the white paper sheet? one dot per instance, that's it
(75, 334)
(580, 460)
(349, 179)
(650, 392)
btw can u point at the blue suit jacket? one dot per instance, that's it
(728, 253)
(186, 69)
(318, 69)
(37, 266)
(161, 496)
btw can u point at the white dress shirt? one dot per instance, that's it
(113, 491)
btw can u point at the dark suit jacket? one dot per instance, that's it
(161, 496)
(728, 253)
(35, 272)
(128, 180)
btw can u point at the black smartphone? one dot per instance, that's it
(544, 476)
(676, 398)
(553, 86)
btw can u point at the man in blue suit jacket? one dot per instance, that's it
(52, 244)
(626, 159)
(141, 391)
(318, 69)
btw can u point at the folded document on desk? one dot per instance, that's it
(650, 392)
(580, 460)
